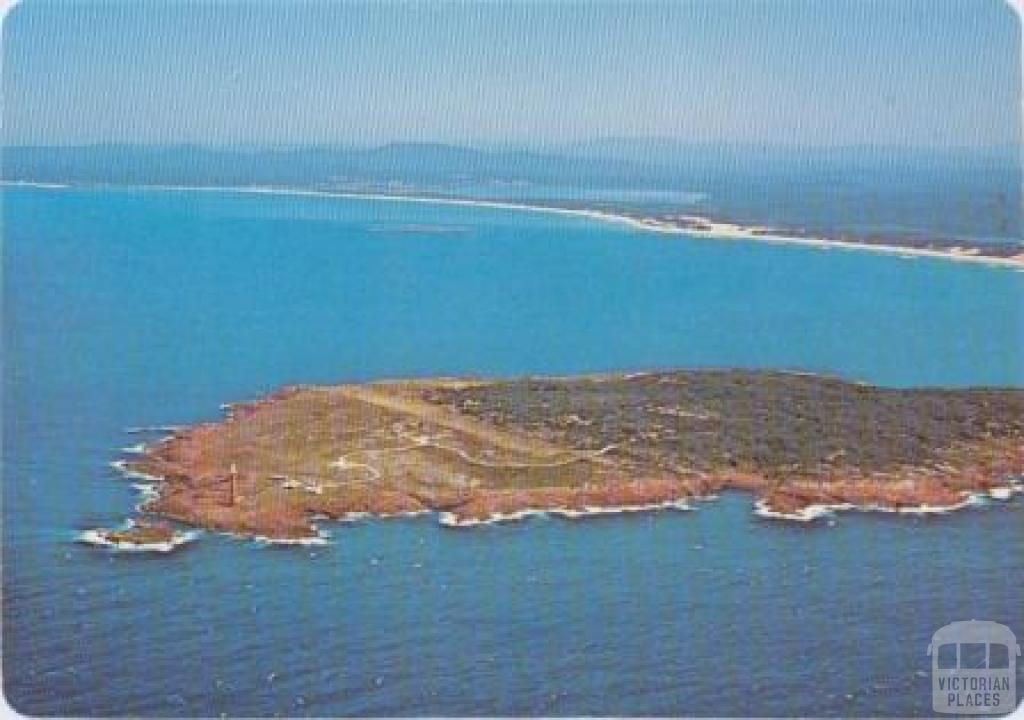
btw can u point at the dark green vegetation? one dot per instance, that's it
(777, 424)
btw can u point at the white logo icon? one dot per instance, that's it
(974, 668)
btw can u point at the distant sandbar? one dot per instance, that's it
(1007, 256)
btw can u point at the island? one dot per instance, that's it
(142, 535)
(476, 451)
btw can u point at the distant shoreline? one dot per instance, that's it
(677, 224)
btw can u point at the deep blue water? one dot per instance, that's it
(131, 308)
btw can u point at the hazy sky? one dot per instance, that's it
(919, 72)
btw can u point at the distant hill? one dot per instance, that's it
(320, 166)
(761, 158)
(618, 162)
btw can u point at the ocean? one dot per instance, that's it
(128, 308)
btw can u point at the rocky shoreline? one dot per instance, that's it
(476, 451)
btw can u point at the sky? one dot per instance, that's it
(255, 72)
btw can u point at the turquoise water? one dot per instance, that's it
(131, 308)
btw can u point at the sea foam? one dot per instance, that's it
(449, 519)
(815, 511)
(122, 467)
(320, 539)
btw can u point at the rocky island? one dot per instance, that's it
(138, 535)
(484, 450)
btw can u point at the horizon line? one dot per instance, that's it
(502, 146)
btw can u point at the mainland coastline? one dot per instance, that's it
(479, 451)
(664, 222)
